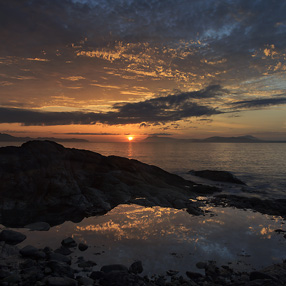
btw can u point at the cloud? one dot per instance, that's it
(257, 103)
(80, 133)
(158, 110)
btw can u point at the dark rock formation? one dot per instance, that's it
(271, 207)
(218, 176)
(12, 237)
(43, 181)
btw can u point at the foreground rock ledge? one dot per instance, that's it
(44, 181)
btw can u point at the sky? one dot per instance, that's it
(106, 69)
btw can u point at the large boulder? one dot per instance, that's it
(46, 180)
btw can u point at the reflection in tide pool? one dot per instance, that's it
(165, 238)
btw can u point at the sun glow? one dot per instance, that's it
(130, 138)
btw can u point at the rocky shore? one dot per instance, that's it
(44, 180)
(32, 266)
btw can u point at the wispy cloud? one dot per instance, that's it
(257, 103)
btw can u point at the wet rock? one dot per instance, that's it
(61, 281)
(39, 226)
(114, 267)
(60, 269)
(121, 278)
(69, 242)
(220, 176)
(259, 275)
(12, 279)
(172, 272)
(201, 265)
(32, 252)
(12, 237)
(82, 247)
(136, 267)
(59, 257)
(96, 275)
(63, 250)
(86, 264)
(85, 281)
(194, 275)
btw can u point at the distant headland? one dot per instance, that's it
(9, 138)
(214, 139)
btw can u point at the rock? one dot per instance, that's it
(12, 237)
(172, 272)
(259, 275)
(12, 279)
(59, 257)
(279, 230)
(85, 281)
(113, 267)
(96, 275)
(61, 281)
(60, 269)
(194, 275)
(82, 247)
(122, 278)
(63, 250)
(39, 226)
(43, 179)
(201, 265)
(136, 267)
(220, 176)
(86, 264)
(69, 242)
(32, 252)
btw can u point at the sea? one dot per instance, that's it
(169, 239)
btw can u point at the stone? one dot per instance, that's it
(12, 279)
(69, 242)
(254, 275)
(12, 237)
(63, 250)
(114, 267)
(82, 246)
(59, 257)
(85, 281)
(39, 226)
(61, 281)
(60, 269)
(172, 272)
(32, 252)
(201, 265)
(86, 264)
(194, 275)
(136, 267)
(96, 275)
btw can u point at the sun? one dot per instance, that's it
(130, 138)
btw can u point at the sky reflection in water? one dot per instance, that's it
(165, 238)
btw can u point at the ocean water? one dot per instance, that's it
(261, 165)
(165, 238)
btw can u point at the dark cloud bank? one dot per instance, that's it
(153, 111)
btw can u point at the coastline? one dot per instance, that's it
(181, 194)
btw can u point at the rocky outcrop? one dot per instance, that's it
(218, 176)
(44, 180)
(33, 266)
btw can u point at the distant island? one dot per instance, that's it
(214, 139)
(9, 138)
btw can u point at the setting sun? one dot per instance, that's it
(130, 138)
